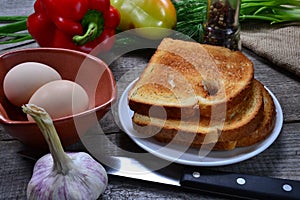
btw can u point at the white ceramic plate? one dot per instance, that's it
(191, 156)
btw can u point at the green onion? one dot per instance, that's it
(15, 37)
(191, 14)
(274, 11)
(12, 18)
(9, 32)
(14, 27)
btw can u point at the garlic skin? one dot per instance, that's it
(86, 180)
(60, 175)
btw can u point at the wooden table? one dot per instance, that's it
(281, 159)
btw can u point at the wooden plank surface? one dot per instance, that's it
(281, 159)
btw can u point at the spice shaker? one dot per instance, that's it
(222, 26)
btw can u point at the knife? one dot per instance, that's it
(202, 179)
(196, 178)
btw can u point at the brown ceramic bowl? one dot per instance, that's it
(90, 72)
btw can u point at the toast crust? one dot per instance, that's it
(185, 77)
(265, 127)
(203, 132)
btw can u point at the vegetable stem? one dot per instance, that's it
(16, 38)
(88, 36)
(260, 17)
(62, 162)
(14, 27)
(12, 18)
(93, 22)
(259, 10)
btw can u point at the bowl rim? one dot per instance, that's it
(5, 120)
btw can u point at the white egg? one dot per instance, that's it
(24, 79)
(61, 98)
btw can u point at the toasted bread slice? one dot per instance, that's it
(264, 129)
(187, 77)
(205, 130)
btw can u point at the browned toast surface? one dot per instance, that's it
(183, 77)
(205, 130)
(265, 127)
(201, 95)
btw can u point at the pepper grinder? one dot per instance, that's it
(222, 26)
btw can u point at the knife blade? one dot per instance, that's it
(198, 178)
(203, 179)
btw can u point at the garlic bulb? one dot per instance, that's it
(61, 175)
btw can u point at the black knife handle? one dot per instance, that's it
(240, 185)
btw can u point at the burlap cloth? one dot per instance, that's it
(278, 43)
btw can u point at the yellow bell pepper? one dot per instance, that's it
(150, 19)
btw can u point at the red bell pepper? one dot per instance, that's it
(81, 25)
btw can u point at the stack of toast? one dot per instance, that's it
(201, 96)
